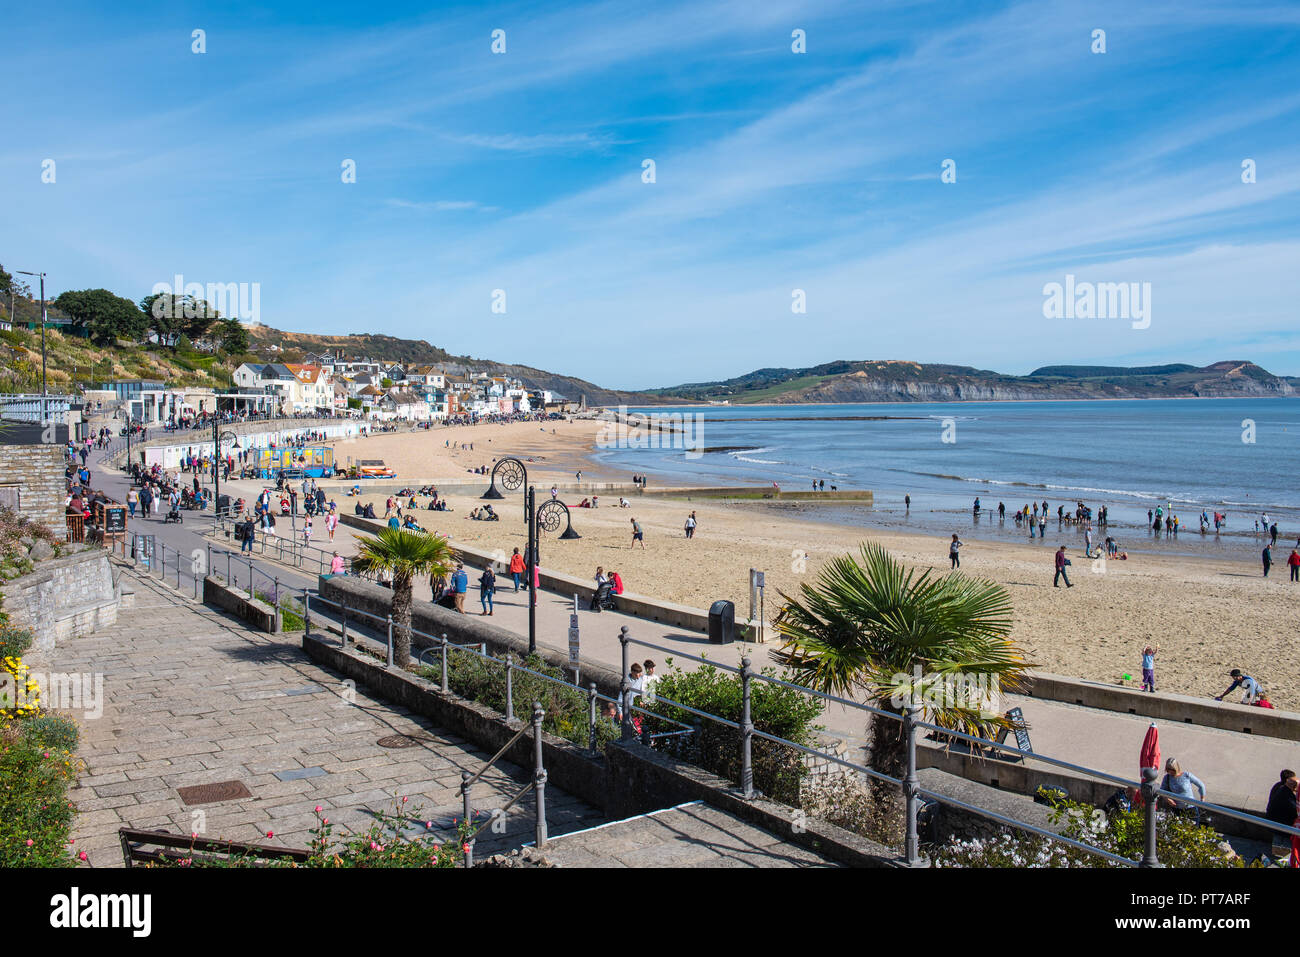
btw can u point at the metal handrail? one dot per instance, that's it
(909, 783)
(1033, 829)
(493, 760)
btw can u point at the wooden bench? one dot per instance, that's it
(158, 847)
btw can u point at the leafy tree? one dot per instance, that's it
(404, 555)
(233, 336)
(867, 622)
(165, 315)
(107, 317)
(198, 317)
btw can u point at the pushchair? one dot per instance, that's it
(174, 516)
(603, 600)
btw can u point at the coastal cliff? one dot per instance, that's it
(901, 381)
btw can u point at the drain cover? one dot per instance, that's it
(211, 793)
(402, 740)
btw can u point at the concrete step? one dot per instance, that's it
(688, 835)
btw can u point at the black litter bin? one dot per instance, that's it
(223, 504)
(722, 622)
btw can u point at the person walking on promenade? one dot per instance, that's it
(247, 535)
(487, 586)
(332, 521)
(1061, 562)
(953, 555)
(459, 586)
(132, 499)
(516, 568)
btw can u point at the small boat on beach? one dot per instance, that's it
(374, 468)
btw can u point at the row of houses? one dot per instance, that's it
(385, 391)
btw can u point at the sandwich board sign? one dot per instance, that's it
(1017, 718)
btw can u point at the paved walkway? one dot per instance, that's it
(193, 697)
(689, 835)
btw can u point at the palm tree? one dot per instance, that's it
(405, 555)
(871, 627)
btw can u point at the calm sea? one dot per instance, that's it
(1128, 455)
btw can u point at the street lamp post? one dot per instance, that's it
(532, 569)
(42, 278)
(217, 436)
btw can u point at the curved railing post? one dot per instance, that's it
(306, 613)
(591, 717)
(625, 687)
(746, 729)
(343, 614)
(390, 641)
(445, 684)
(1149, 798)
(510, 689)
(467, 848)
(911, 791)
(539, 773)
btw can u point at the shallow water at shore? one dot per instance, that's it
(1130, 456)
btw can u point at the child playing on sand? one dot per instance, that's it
(1149, 668)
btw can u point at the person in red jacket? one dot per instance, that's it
(517, 568)
(1294, 561)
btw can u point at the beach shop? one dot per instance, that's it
(316, 461)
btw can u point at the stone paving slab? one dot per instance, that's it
(689, 835)
(200, 727)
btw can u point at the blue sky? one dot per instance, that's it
(775, 171)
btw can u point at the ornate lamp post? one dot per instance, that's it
(545, 518)
(512, 473)
(217, 437)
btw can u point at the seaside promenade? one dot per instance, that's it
(1238, 769)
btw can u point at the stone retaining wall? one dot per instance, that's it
(64, 597)
(240, 604)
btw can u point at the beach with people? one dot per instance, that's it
(1206, 613)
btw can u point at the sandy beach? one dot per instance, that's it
(1207, 615)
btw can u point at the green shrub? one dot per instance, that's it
(35, 813)
(783, 712)
(53, 732)
(14, 642)
(484, 681)
(291, 611)
(1180, 842)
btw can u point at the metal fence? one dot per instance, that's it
(287, 550)
(910, 718)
